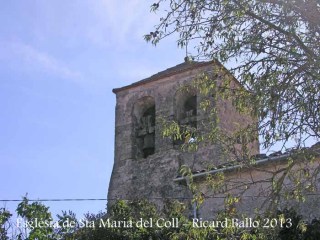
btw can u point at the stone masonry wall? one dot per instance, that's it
(152, 177)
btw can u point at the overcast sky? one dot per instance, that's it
(59, 61)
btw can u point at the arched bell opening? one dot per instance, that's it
(186, 112)
(189, 116)
(144, 127)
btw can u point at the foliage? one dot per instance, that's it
(34, 213)
(141, 209)
(274, 49)
(4, 223)
(294, 178)
(68, 226)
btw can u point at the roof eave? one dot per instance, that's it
(161, 76)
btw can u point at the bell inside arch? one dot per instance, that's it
(145, 131)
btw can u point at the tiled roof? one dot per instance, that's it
(260, 159)
(186, 66)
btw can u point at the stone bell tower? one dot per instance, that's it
(145, 163)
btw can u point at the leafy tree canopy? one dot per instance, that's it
(274, 48)
(142, 209)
